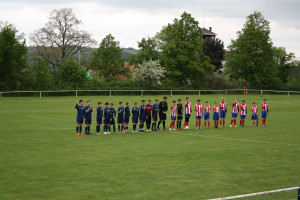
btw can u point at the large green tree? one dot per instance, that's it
(181, 45)
(250, 56)
(108, 59)
(147, 51)
(214, 49)
(13, 59)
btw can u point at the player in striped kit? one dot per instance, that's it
(264, 112)
(234, 112)
(243, 113)
(206, 114)
(254, 111)
(188, 112)
(173, 115)
(223, 111)
(216, 116)
(199, 113)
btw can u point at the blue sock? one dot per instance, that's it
(122, 128)
(89, 129)
(119, 128)
(134, 127)
(80, 129)
(109, 128)
(97, 129)
(114, 128)
(77, 128)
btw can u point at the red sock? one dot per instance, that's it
(217, 123)
(220, 122)
(256, 122)
(253, 122)
(263, 122)
(204, 124)
(241, 122)
(208, 124)
(234, 122)
(231, 121)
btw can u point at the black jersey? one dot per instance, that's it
(179, 109)
(163, 107)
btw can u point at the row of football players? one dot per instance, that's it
(147, 113)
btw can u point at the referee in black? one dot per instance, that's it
(163, 108)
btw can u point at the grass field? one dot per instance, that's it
(41, 158)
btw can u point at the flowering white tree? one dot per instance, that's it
(149, 73)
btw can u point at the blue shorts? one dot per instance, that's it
(198, 117)
(254, 117)
(120, 119)
(106, 120)
(88, 120)
(135, 119)
(142, 118)
(222, 113)
(79, 120)
(126, 120)
(216, 116)
(154, 117)
(243, 116)
(112, 122)
(173, 118)
(234, 115)
(187, 115)
(206, 116)
(99, 120)
(264, 114)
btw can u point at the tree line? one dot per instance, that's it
(177, 57)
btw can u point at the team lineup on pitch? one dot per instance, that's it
(145, 113)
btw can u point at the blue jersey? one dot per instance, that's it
(88, 113)
(80, 110)
(99, 112)
(106, 113)
(112, 113)
(142, 110)
(135, 112)
(121, 111)
(155, 109)
(127, 111)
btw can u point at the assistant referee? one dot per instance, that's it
(163, 108)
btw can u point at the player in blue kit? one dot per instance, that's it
(106, 118)
(88, 117)
(142, 115)
(154, 114)
(127, 115)
(120, 117)
(80, 115)
(112, 115)
(135, 116)
(99, 117)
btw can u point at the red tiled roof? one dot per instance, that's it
(207, 32)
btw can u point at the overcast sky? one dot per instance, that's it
(130, 20)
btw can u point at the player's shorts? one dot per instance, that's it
(173, 118)
(222, 113)
(126, 120)
(206, 116)
(234, 115)
(264, 114)
(154, 117)
(120, 119)
(79, 120)
(254, 117)
(135, 119)
(148, 120)
(106, 121)
(112, 121)
(88, 120)
(243, 116)
(216, 116)
(179, 117)
(142, 118)
(99, 120)
(187, 115)
(162, 116)
(198, 117)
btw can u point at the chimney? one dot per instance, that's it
(210, 29)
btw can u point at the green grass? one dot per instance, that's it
(41, 158)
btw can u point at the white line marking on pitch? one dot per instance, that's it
(236, 139)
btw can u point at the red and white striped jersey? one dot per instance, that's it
(222, 106)
(264, 106)
(188, 107)
(207, 109)
(216, 109)
(243, 109)
(199, 110)
(235, 106)
(173, 110)
(254, 110)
